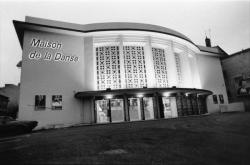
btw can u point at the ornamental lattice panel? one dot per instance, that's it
(178, 67)
(108, 67)
(134, 64)
(160, 67)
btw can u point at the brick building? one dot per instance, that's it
(236, 70)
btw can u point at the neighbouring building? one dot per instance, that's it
(114, 72)
(12, 92)
(3, 104)
(236, 69)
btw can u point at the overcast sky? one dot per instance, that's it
(229, 22)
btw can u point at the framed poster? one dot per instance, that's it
(56, 102)
(40, 102)
(221, 99)
(215, 100)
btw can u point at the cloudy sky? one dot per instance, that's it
(229, 21)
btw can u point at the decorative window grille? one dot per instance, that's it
(134, 64)
(160, 67)
(178, 67)
(108, 67)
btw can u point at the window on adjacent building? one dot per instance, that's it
(242, 85)
(215, 99)
(40, 102)
(160, 67)
(221, 99)
(57, 102)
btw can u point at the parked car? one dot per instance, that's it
(8, 125)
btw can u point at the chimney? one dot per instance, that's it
(208, 42)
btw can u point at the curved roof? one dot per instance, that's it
(37, 23)
(132, 26)
(108, 26)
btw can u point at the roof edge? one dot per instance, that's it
(20, 27)
(111, 26)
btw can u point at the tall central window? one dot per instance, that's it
(108, 67)
(160, 67)
(134, 64)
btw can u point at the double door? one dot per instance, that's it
(109, 110)
(141, 108)
(112, 110)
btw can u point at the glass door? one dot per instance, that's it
(167, 107)
(117, 110)
(148, 108)
(134, 109)
(102, 111)
(109, 110)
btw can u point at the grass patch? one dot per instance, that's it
(213, 139)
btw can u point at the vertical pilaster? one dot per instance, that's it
(89, 64)
(186, 72)
(156, 106)
(122, 67)
(171, 64)
(195, 72)
(149, 62)
(93, 110)
(189, 105)
(109, 110)
(142, 108)
(126, 107)
(179, 104)
(184, 106)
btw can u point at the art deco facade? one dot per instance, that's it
(113, 72)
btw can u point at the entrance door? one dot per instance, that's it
(109, 110)
(102, 111)
(148, 108)
(141, 108)
(134, 109)
(117, 110)
(167, 107)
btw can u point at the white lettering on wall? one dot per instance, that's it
(45, 44)
(35, 55)
(60, 57)
(49, 56)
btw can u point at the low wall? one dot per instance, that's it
(234, 107)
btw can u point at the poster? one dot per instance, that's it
(40, 102)
(57, 102)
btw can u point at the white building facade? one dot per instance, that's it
(114, 72)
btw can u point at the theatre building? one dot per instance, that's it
(114, 72)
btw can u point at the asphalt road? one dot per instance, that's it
(207, 140)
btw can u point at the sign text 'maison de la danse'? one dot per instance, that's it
(58, 56)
